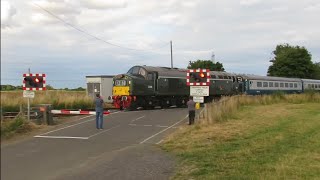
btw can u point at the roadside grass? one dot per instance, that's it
(19, 125)
(60, 99)
(264, 138)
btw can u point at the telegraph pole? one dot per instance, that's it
(171, 54)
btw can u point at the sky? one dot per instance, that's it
(71, 39)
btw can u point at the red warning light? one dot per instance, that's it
(202, 75)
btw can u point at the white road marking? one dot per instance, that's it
(163, 130)
(161, 126)
(103, 131)
(132, 125)
(147, 125)
(62, 137)
(137, 119)
(75, 124)
(159, 141)
(68, 126)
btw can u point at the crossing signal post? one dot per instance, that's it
(198, 77)
(33, 82)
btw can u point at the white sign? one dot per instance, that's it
(28, 94)
(199, 99)
(199, 90)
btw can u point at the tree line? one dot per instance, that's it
(8, 87)
(288, 61)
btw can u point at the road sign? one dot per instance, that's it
(28, 94)
(199, 90)
(199, 99)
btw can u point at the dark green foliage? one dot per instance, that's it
(206, 64)
(292, 62)
(9, 87)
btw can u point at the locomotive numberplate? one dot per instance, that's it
(124, 90)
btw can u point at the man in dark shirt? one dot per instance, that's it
(192, 110)
(99, 111)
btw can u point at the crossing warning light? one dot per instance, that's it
(198, 77)
(34, 82)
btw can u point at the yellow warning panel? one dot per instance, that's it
(118, 91)
(197, 105)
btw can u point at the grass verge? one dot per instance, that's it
(271, 141)
(19, 125)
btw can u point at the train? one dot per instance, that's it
(150, 86)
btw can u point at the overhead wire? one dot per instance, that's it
(93, 36)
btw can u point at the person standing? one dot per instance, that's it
(99, 111)
(192, 110)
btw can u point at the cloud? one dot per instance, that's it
(104, 4)
(7, 14)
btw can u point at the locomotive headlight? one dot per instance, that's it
(129, 82)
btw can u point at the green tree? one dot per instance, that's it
(316, 70)
(291, 61)
(206, 64)
(49, 87)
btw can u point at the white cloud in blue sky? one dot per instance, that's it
(242, 34)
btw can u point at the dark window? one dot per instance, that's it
(259, 84)
(309, 85)
(135, 70)
(270, 84)
(291, 85)
(150, 76)
(130, 71)
(286, 84)
(295, 85)
(312, 85)
(276, 84)
(265, 84)
(220, 77)
(281, 85)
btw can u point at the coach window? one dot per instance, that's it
(220, 77)
(281, 85)
(270, 84)
(291, 85)
(286, 85)
(295, 85)
(265, 84)
(276, 84)
(259, 84)
(312, 86)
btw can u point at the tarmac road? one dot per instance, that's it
(124, 149)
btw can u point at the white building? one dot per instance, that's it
(100, 84)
